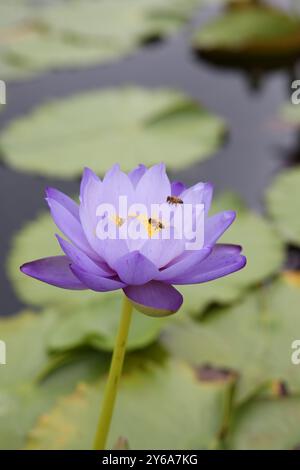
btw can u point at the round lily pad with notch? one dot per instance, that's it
(250, 35)
(283, 203)
(96, 129)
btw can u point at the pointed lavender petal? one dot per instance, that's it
(224, 260)
(154, 186)
(183, 265)
(207, 196)
(116, 183)
(177, 187)
(94, 282)
(135, 269)
(155, 298)
(90, 186)
(136, 174)
(91, 195)
(64, 200)
(79, 258)
(162, 251)
(55, 271)
(216, 225)
(200, 193)
(69, 225)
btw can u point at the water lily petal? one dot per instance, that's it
(135, 269)
(116, 183)
(177, 187)
(55, 271)
(162, 251)
(155, 298)
(90, 198)
(69, 225)
(208, 191)
(136, 174)
(90, 186)
(94, 282)
(224, 260)
(154, 186)
(200, 193)
(216, 225)
(64, 200)
(183, 264)
(79, 258)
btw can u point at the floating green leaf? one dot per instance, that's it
(139, 19)
(94, 129)
(253, 338)
(22, 398)
(25, 336)
(266, 425)
(95, 323)
(38, 51)
(261, 245)
(12, 13)
(283, 202)
(290, 114)
(249, 33)
(160, 406)
(35, 38)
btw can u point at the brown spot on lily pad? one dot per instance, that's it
(121, 444)
(292, 278)
(280, 389)
(209, 373)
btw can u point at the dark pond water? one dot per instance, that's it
(257, 148)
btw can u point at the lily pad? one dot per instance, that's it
(18, 333)
(38, 51)
(95, 323)
(283, 202)
(22, 405)
(250, 34)
(290, 114)
(51, 35)
(266, 425)
(160, 406)
(261, 245)
(138, 20)
(253, 337)
(97, 128)
(22, 397)
(12, 13)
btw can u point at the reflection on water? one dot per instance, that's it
(255, 150)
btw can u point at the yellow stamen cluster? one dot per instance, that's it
(152, 225)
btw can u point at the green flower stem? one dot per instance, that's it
(115, 372)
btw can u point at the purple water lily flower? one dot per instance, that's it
(145, 269)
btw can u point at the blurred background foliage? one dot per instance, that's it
(219, 373)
